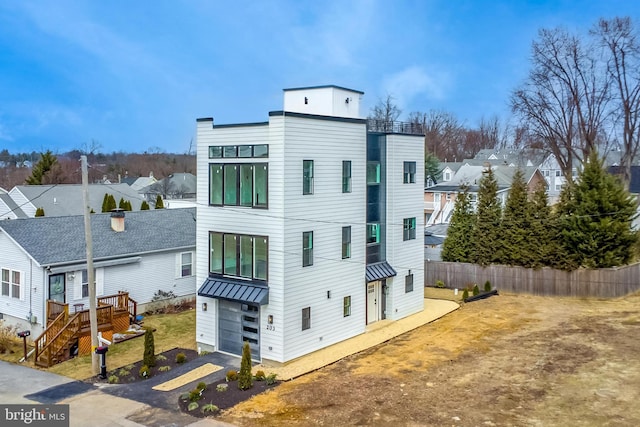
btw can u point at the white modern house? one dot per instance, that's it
(306, 229)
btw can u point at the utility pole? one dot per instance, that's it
(93, 317)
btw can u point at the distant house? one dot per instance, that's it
(439, 199)
(174, 186)
(63, 199)
(634, 187)
(139, 252)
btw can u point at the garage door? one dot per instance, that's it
(239, 322)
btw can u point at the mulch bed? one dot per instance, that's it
(223, 399)
(130, 373)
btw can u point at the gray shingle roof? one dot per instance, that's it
(56, 240)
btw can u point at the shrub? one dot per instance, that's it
(124, 372)
(149, 357)
(260, 376)
(465, 294)
(164, 368)
(162, 302)
(271, 379)
(181, 358)
(232, 375)
(144, 371)
(184, 396)
(487, 286)
(201, 386)
(161, 358)
(476, 290)
(195, 394)
(210, 407)
(113, 379)
(192, 406)
(440, 284)
(245, 379)
(7, 336)
(222, 387)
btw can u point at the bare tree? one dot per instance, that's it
(564, 101)
(443, 135)
(383, 114)
(619, 40)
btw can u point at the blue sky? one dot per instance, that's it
(134, 75)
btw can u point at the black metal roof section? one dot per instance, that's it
(234, 291)
(379, 271)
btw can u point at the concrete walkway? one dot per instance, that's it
(101, 407)
(376, 333)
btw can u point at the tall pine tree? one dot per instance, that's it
(515, 225)
(159, 202)
(541, 237)
(595, 219)
(486, 233)
(39, 172)
(459, 245)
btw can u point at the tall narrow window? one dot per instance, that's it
(346, 176)
(306, 318)
(373, 233)
(15, 284)
(346, 242)
(230, 184)
(5, 282)
(215, 184)
(307, 248)
(230, 254)
(246, 256)
(260, 185)
(246, 185)
(307, 177)
(260, 258)
(409, 229)
(409, 172)
(346, 306)
(186, 264)
(216, 255)
(85, 283)
(408, 283)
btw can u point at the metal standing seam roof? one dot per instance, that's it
(234, 291)
(379, 271)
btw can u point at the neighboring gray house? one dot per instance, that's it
(45, 258)
(174, 186)
(65, 199)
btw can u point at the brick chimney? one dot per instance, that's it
(117, 220)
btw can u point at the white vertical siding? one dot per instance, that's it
(405, 201)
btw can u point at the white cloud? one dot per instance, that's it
(413, 81)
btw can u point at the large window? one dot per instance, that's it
(307, 248)
(373, 173)
(241, 151)
(409, 229)
(306, 318)
(11, 283)
(346, 242)
(373, 233)
(186, 264)
(242, 184)
(346, 306)
(307, 177)
(238, 255)
(346, 176)
(409, 172)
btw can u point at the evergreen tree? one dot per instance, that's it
(105, 203)
(245, 379)
(111, 203)
(122, 203)
(515, 225)
(459, 245)
(45, 164)
(541, 242)
(486, 233)
(149, 357)
(595, 219)
(40, 212)
(128, 206)
(159, 202)
(144, 206)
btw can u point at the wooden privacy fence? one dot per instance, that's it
(598, 283)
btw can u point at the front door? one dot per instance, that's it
(373, 299)
(237, 323)
(57, 287)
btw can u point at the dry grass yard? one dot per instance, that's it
(505, 361)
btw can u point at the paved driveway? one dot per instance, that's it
(18, 381)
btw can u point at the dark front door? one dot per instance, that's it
(237, 323)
